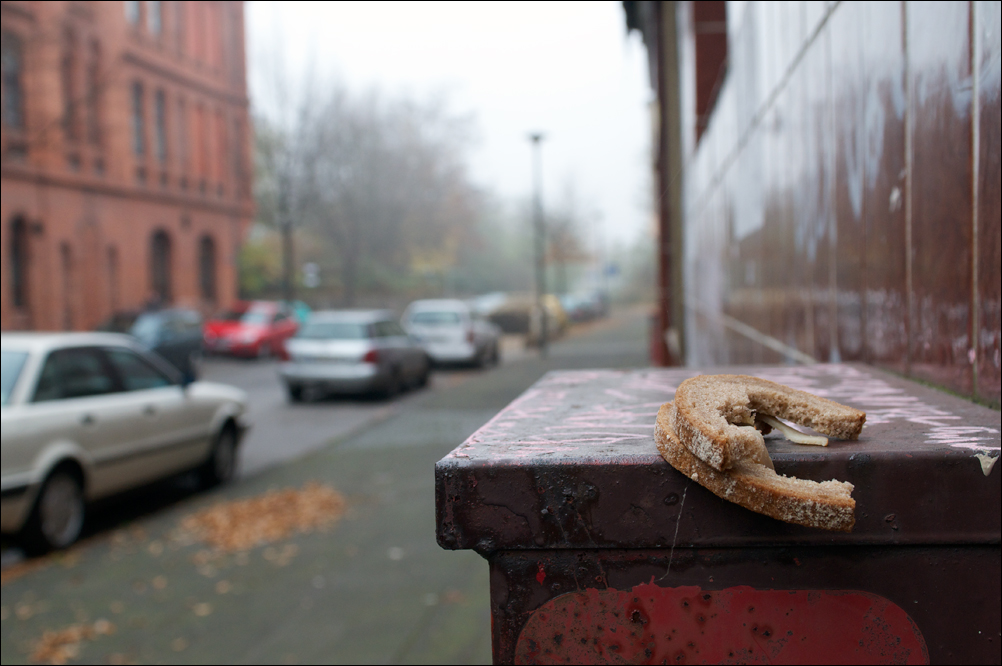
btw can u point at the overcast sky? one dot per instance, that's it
(566, 69)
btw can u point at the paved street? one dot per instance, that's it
(372, 588)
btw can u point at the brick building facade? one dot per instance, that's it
(125, 158)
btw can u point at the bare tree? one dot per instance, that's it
(385, 182)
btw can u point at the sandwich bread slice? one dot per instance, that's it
(712, 433)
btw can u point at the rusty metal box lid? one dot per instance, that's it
(572, 463)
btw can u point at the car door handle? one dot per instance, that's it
(87, 419)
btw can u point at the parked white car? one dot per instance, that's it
(450, 331)
(88, 415)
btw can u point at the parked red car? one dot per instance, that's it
(255, 328)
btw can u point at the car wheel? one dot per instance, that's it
(422, 379)
(58, 516)
(393, 385)
(295, 393)
(221, 466)
(483, 358)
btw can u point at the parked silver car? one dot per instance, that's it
(352, 351)
(87, 415)
(450, 331)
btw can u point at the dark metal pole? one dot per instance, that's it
(540, 232)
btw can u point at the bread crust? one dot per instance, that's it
(709, 411)
(827, 505)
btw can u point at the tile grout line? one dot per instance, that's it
(909, 130)
(702, 198)
(975, 178)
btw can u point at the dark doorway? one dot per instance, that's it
(160, 269)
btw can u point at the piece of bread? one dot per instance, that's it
(710, 410)
(755, 486)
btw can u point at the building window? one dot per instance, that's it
(239, 172)
(207, 268)
(12, 64)
(179, 26)
(160, 111)
(138, 124)
(221, 152)
(202, 134)
(113, 278)
(160, 269)
(19, 262)
(66, 259)
(68, 79)
(182, 135)
(132, 12)
(94, 94)
(154, 17)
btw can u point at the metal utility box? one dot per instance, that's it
(600, 551)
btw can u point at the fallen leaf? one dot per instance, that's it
(274, 516)
(159, 583)
(15, 571)
(454, 597)
(223, 587)
(178, 645)
(59, 647)
(202, 609)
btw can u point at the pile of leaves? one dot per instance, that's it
(59, 647)
(276, 515)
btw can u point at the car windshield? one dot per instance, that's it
(146, 328)
(11, 363)
(245, 316)
(430, 318)
(332, 330)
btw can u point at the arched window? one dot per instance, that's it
(19, 262)
(160, 268)
(207, 268)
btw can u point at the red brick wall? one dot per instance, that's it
(85, 193)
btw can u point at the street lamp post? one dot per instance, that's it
(539, 226)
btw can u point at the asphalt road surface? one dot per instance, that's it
(282, 431)
(373, 587)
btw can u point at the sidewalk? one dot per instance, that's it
(375, 588)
